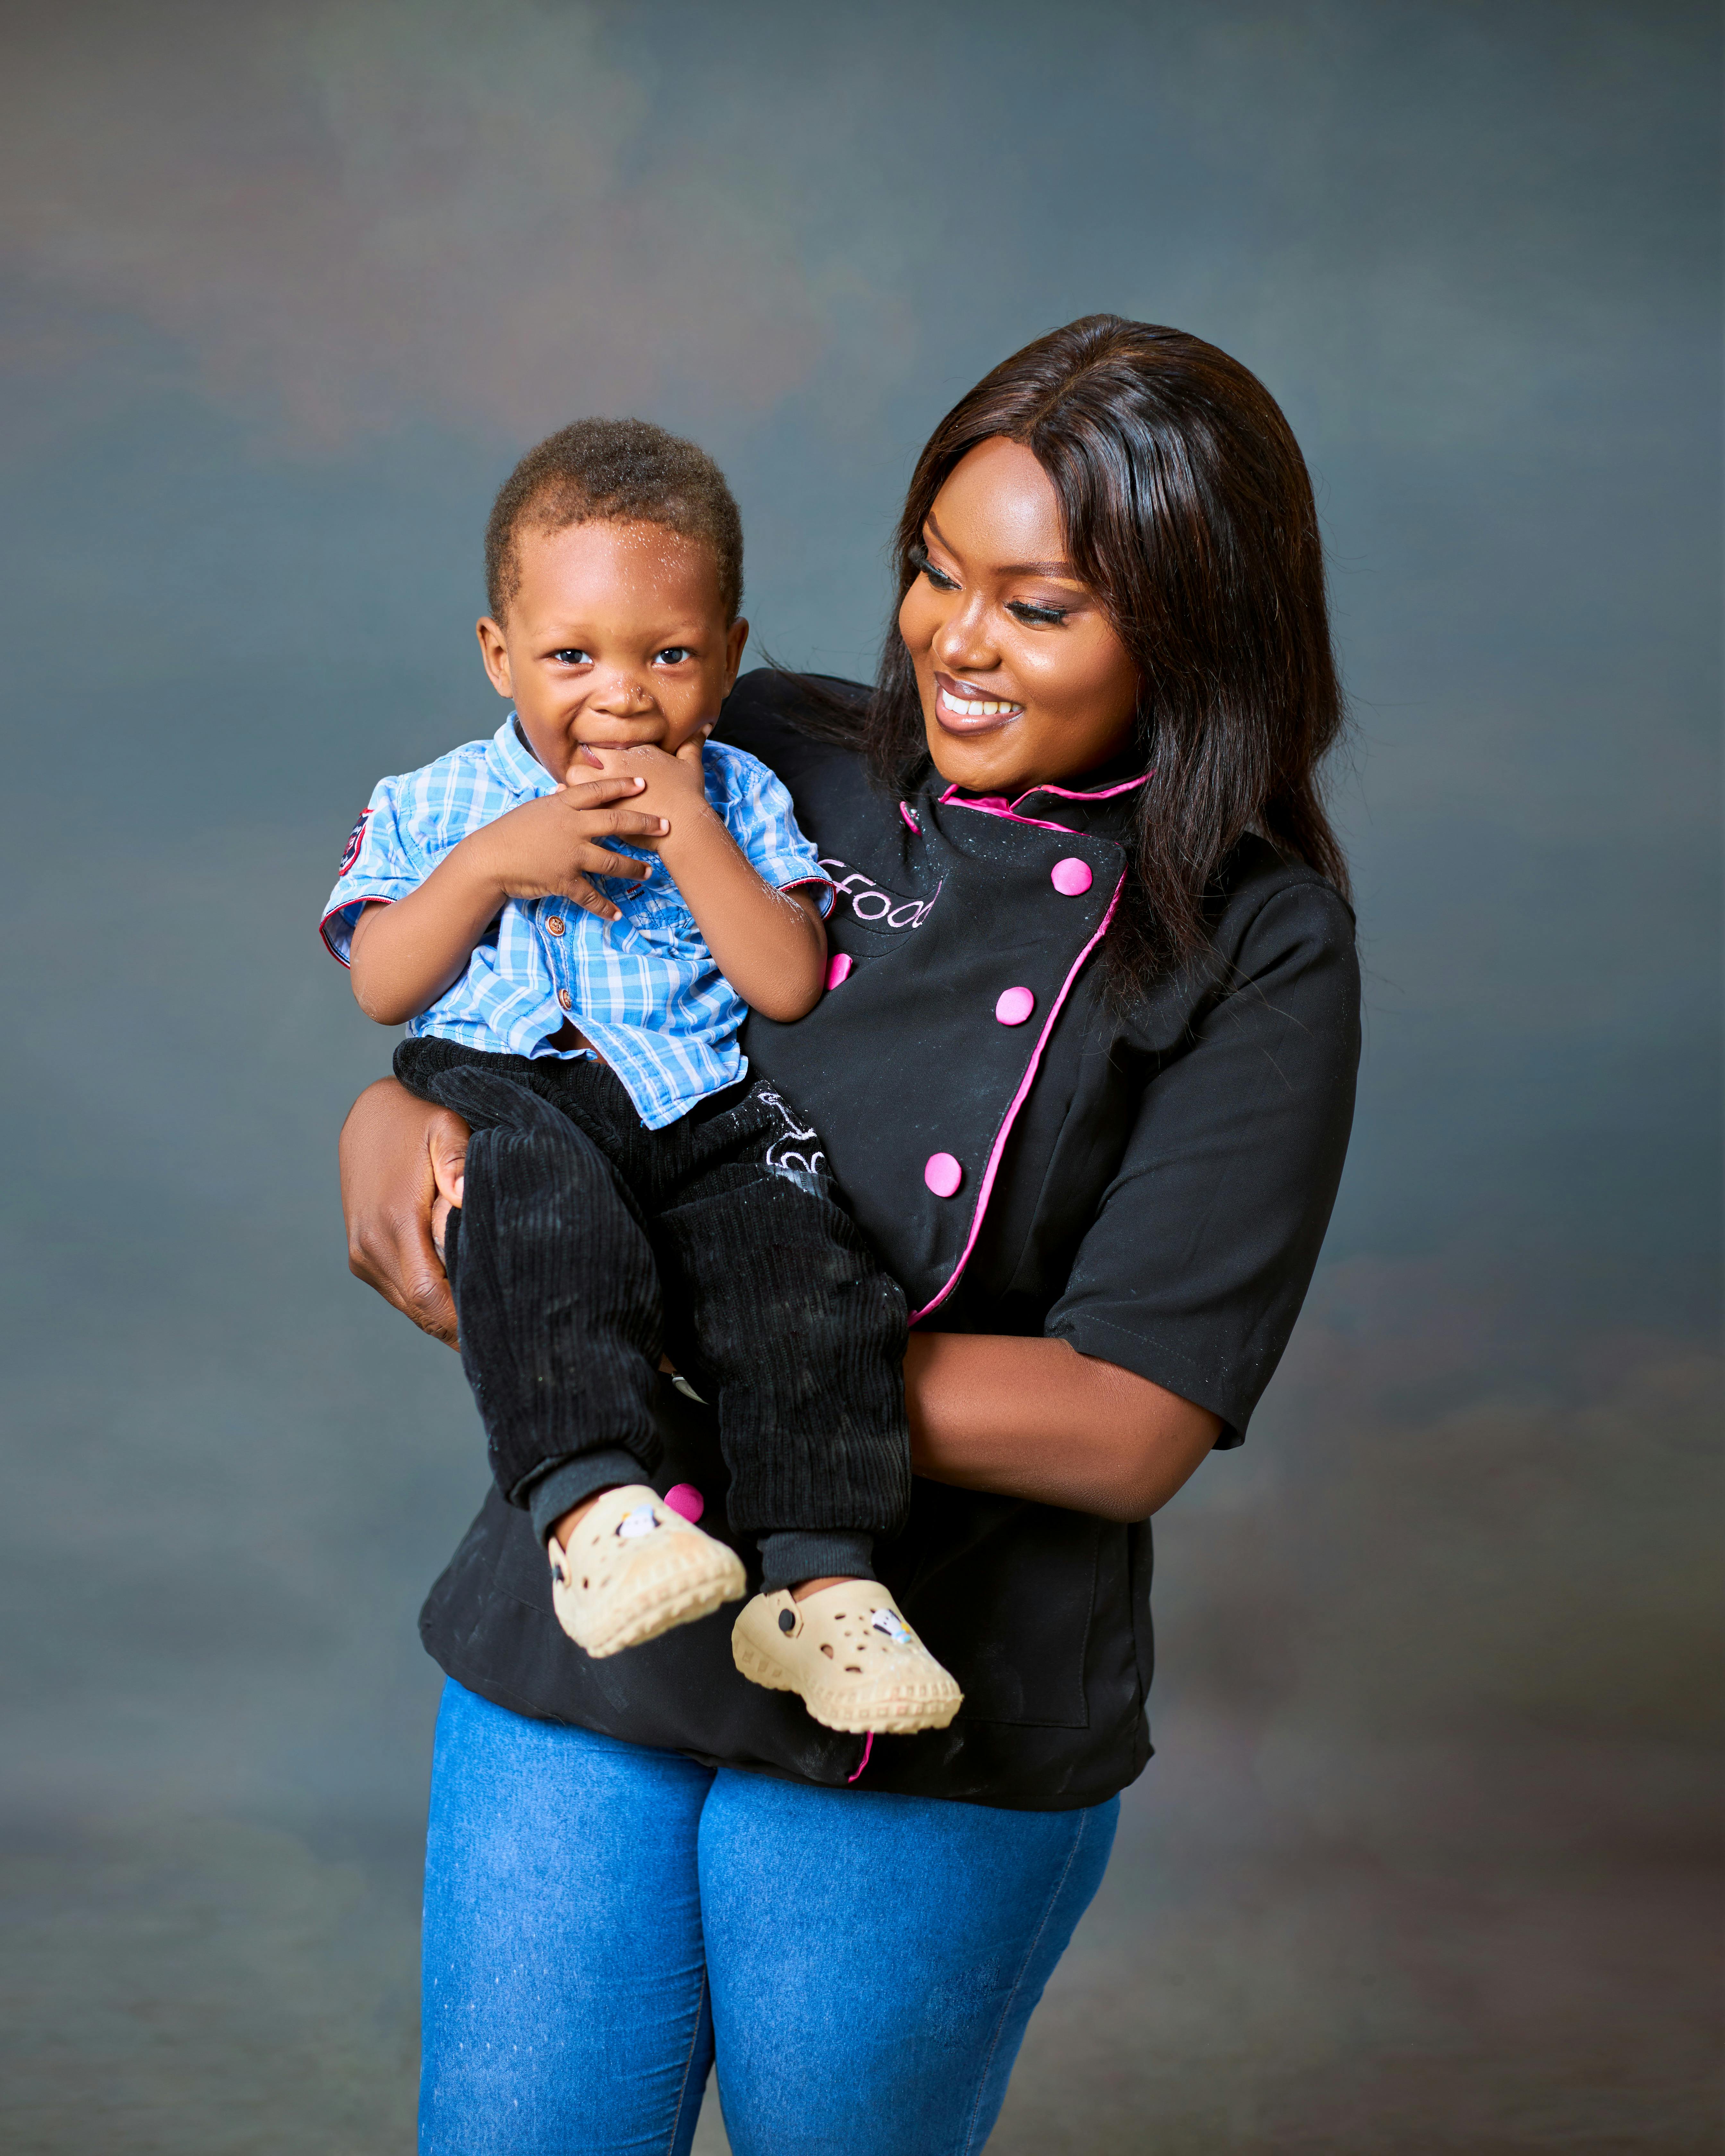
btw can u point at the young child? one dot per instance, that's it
(571, 918)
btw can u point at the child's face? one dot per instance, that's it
(616, 638)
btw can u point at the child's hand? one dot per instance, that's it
(673, 787)
(551, 848)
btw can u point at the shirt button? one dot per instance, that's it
(838, 969)
(554, 923)
(1070, 877)
(942, 1174)
(1015, 1006)
(566, 999)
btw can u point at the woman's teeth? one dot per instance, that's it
(964, 708)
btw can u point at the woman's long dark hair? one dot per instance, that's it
(1188, 512)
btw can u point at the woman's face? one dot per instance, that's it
(1023, 681)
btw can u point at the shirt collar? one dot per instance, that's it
(515, 763)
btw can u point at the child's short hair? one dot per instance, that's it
(614, 471)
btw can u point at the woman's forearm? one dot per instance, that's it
(1035, 1419)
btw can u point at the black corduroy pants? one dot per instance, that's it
(587, 1245)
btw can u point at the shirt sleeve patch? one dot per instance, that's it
(356, 839)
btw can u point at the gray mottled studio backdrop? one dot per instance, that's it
(1423, 1864)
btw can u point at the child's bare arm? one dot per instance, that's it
(769, 944)
(404, 957)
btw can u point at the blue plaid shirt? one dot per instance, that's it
(644, 990)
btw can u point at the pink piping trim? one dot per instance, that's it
(1101, 792)
(1003, 809)
(1017, 1102)
(904, 810)
(796, 883)
(995, 805)
(868, 1746)
(323, 926)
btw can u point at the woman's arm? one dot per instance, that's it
(1035, 1419)
(1025, 1418)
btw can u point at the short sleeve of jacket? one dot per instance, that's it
(1194, 1271)
(379, 861)
(761, 819)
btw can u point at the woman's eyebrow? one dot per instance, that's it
(1011, 569)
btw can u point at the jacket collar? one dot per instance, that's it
(1104, 810)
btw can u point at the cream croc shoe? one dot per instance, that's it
(634, 1568)
(854, 1661)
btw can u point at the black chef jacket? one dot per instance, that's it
(1150, 1185)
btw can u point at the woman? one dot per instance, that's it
(1086, 1073)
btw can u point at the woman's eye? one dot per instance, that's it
(923, 566)
(673, 655)
(572, 654)
(1038, 617)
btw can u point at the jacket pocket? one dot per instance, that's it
(1004, 1593)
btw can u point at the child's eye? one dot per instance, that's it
(673, 655)
(938, 578)
(1038, 617)
(572, 654)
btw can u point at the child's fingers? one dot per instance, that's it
(639, 831)
(580, 892)
(628, 824)
(595, 792)
(600, 862)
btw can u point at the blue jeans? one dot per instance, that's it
(601, 1920)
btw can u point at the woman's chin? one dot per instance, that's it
(981, 761)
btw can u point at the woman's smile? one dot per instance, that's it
(962, 708)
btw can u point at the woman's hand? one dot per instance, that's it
(402, 1166)
(1035, 1419)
